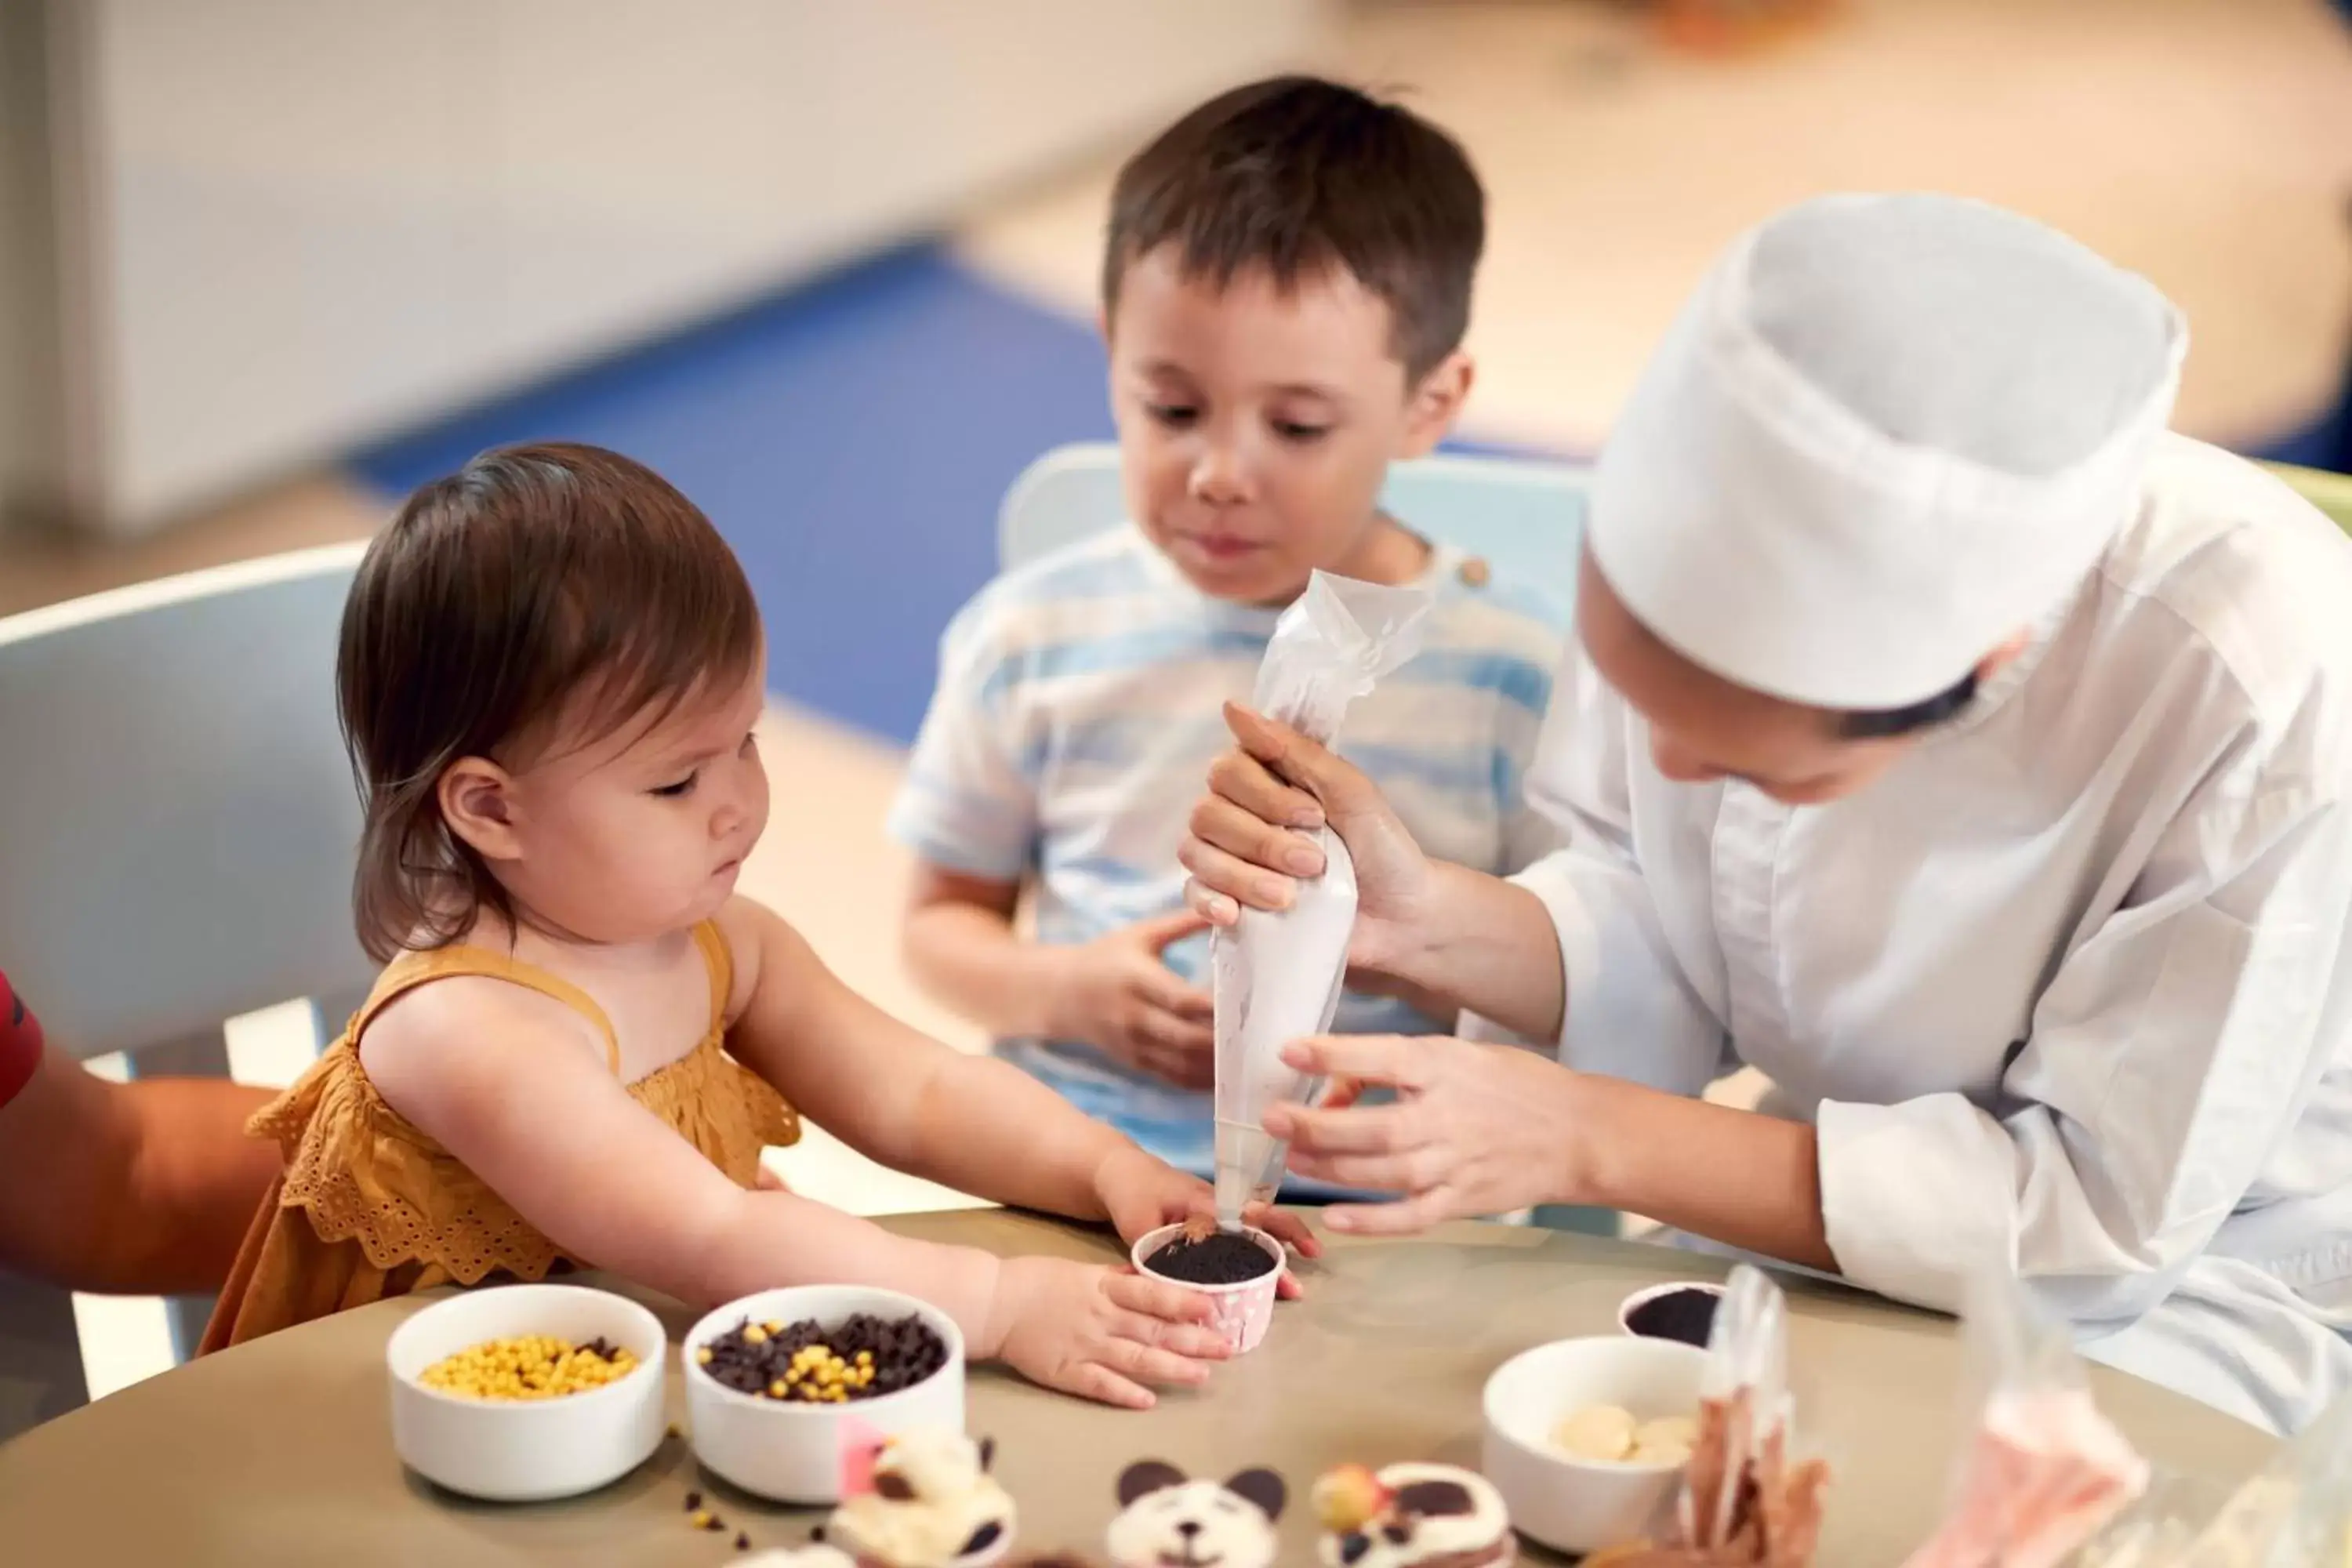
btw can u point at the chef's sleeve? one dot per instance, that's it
(1631, 1011)
(2172, 1050)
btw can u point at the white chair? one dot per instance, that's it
(1525, 517)
(177, 823)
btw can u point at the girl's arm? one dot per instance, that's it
(969, 1123)
(513, 1085)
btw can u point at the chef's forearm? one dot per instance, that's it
(1746, 1180)
(1486, 946)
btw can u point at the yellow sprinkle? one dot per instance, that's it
(755, 1335)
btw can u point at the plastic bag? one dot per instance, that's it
(2043, 1471)
(1278, 973)
(2296, 1513)
(1744, 1501)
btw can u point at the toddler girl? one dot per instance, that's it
(550, 671)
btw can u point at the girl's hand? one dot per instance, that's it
(1103, 1333)
(1246, 848)
(1140, 1195)
(1475, 1129)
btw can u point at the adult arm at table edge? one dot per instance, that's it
(1756, 1183)
(137, 1188)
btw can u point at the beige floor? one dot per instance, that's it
(2207, 143)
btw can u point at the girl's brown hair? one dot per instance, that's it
(536, 582)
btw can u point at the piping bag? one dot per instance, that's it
(1277, 974)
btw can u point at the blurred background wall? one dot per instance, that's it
(290, 226)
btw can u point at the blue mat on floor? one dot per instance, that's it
(851, 439)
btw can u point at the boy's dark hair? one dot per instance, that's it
(1297, 174)
(538, 583)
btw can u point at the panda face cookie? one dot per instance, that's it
(933, 1505)
(1411, 1516)
(1169, 1521)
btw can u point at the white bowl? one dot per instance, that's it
(527, 1450)
(791, 1452)
(1580, 1506)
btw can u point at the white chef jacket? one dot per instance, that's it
(2067, 989)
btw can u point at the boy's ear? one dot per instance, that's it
(1437, 404)
(477, 801)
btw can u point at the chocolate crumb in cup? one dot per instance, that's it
(1239, 1272)
(1220, 1258)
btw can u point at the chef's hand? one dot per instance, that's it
(1475, 1130)
(1140, 1194)
(1247, 844)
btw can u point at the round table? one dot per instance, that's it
(279, 1452)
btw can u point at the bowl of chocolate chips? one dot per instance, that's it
(773, 1382)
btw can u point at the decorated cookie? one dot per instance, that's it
(927, 1503)
(1411, 1516)
(1167, 1519)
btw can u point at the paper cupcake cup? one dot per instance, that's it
(1640, 1299)
(1242, 1311)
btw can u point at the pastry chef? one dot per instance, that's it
(1945, 739)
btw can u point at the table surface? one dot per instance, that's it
(280, 1451)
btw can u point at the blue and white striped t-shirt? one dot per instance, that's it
(1080, 707)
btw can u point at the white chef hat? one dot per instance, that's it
(1886, 434)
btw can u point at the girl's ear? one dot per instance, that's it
(477, 800)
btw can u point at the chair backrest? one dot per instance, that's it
(2331, 493)
(1525, 517)
(177, 822)
(177, 819)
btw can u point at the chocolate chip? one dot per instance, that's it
(903, 1354)
(742, 1543)
(693, 1502)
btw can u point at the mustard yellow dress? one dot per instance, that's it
(369, 1207)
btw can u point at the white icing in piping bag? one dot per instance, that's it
(1277, 974)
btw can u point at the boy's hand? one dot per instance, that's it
(1120, 998)
(1104, 1333)
(1142, 1193)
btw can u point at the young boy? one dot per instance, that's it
(1286, 284)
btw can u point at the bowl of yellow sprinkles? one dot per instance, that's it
(527, 1392)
